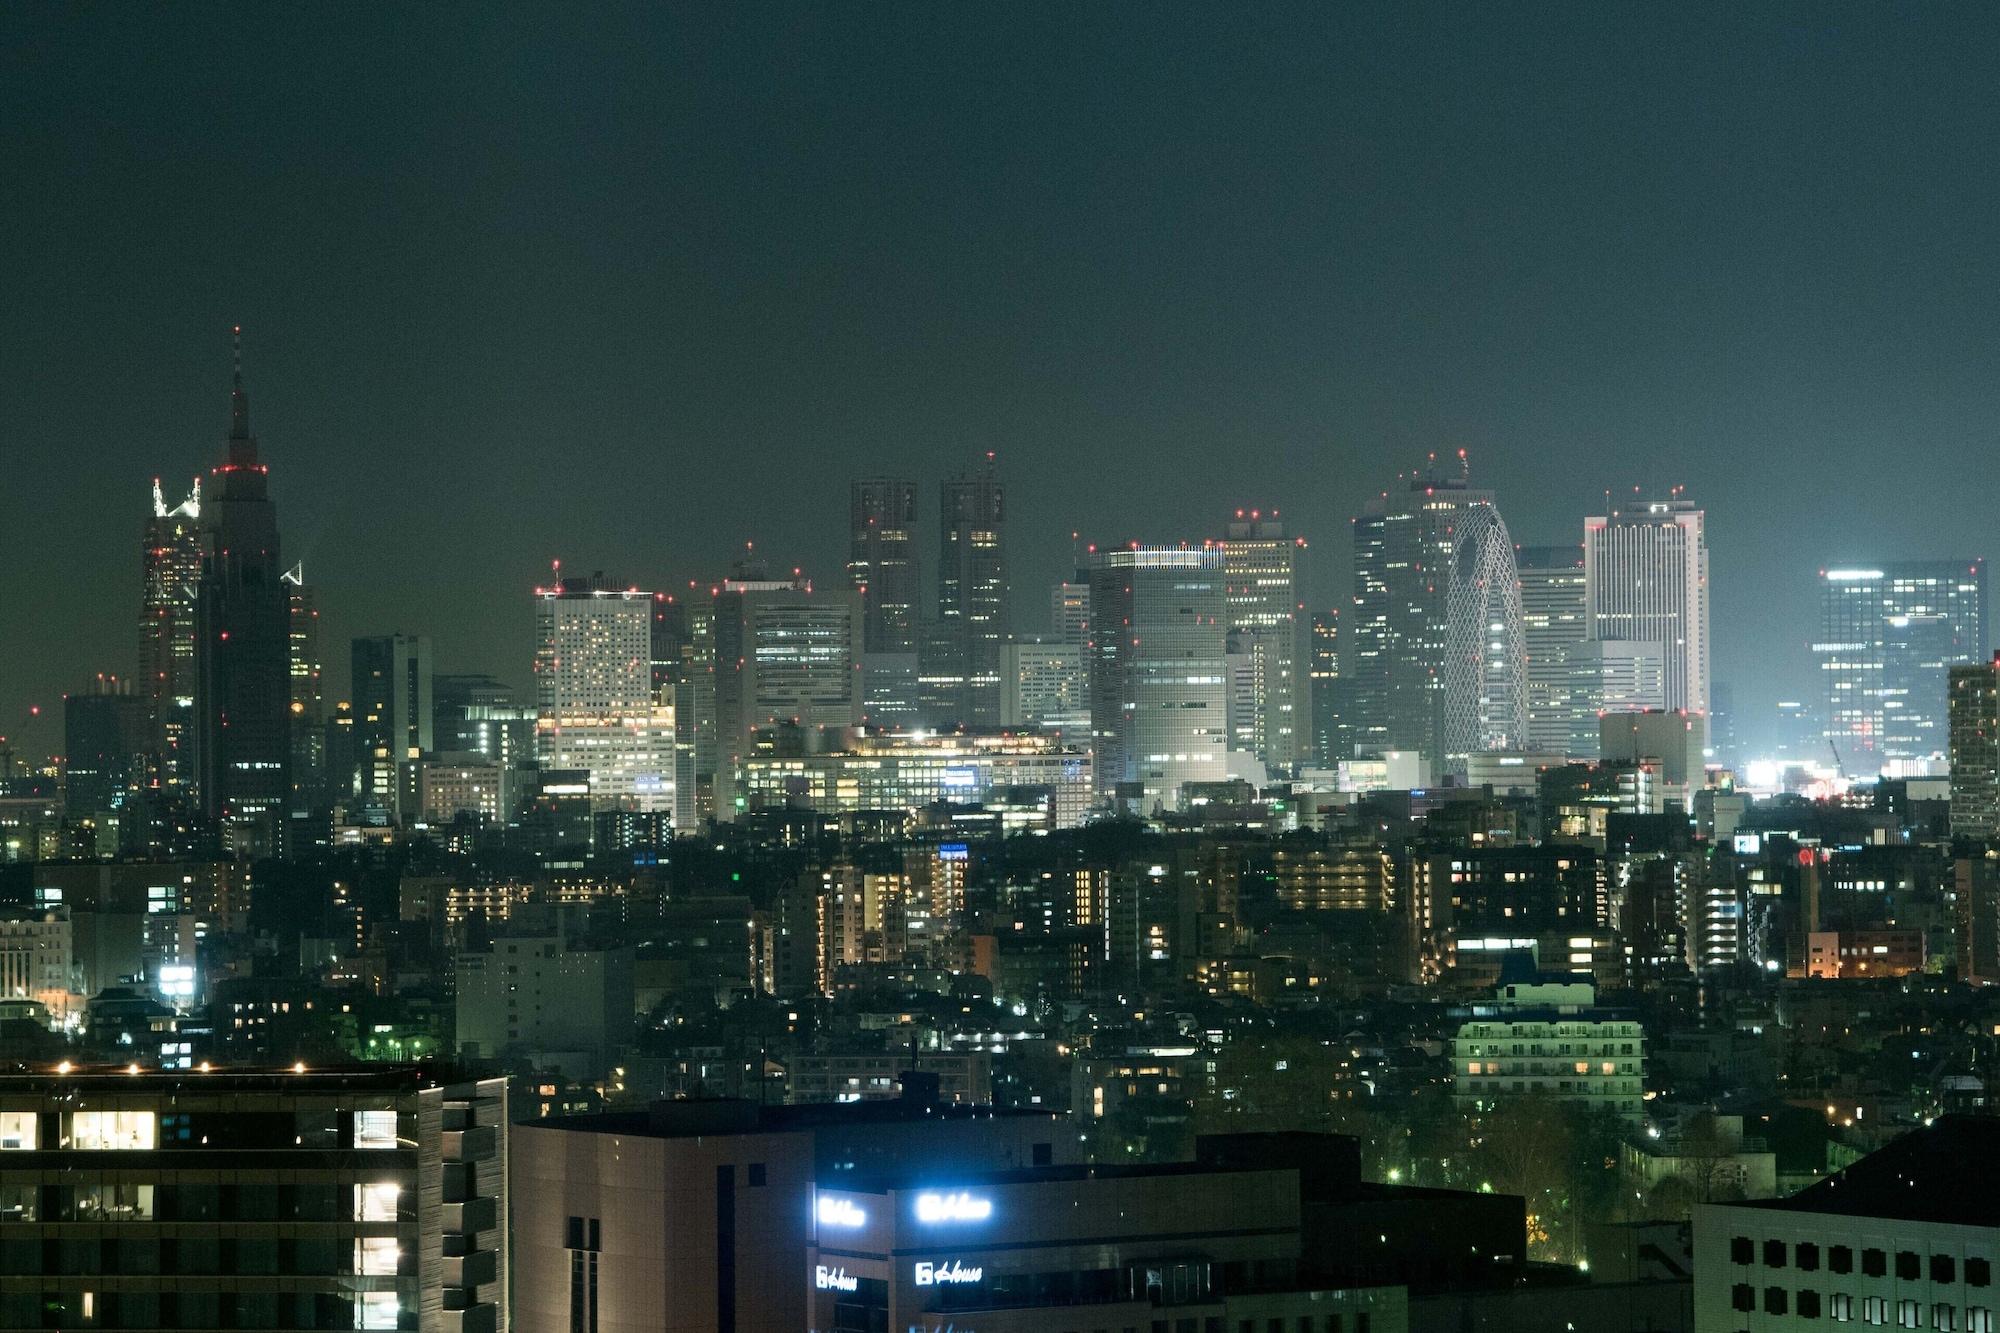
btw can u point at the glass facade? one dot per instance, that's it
(1889, 636)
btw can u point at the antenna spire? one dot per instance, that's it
(239, 401)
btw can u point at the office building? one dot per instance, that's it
(785, 656)
(243, 690)
(107, 737)
(1888, 638)
(1552, 621)
(394, 699)
(305, 1199)
(455, 783)
(1610, 677)
(1260, 569)
(1392, 665)
(554, 997)
(1677, 740)
(1907, 1237)
(882, 563)
(1975, 750)
(176, 548)
(1645, 569)
(595, 707)
(477, 714)
(1485, 663)
(908, 771)
(1045, 686)
(311, 781)
(698, 1217)
(1159, 646)
(1549, 1039)
(1187, 1245)
(972, 608)
(1323, 689)
(1069, 612)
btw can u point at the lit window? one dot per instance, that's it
(93, 1131)
(377, 1202)
(375, 1256)
(375, 1129)
(377, 1309)
(17, 1131)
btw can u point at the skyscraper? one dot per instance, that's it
(1069, 611)
(1975, 751)
(310, 786)
(1485, 658)
(882, 562)
(105, 740)
(595, 706)
(1889, 636)
(177, 543)
(395, 706)
(785, 656)
(1260, 567)
(243, 691)
(1645, 569)
(1323, 683)
(1405, 541)
(1158, 665)
(1552, 619)
(972, 617)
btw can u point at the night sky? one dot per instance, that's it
(631, 288)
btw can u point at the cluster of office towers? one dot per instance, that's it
(1158, 666)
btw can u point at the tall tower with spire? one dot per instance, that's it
(243, 634)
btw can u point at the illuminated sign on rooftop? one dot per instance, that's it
(957, 1206)
(840, 1212)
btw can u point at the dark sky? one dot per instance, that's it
(630, 288)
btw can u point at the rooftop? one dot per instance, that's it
(1948, 1172)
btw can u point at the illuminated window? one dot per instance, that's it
(377, 1202)
(17, 1131)
(375, 1129)
(376, 1309)
(114, 1203)
(375, 1256)
(94, 1131)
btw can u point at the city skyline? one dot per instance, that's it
(1674, 334)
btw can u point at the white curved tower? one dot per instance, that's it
(1486, 662)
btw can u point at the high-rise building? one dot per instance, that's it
(1645, 569)
(1485, 656)
(882, 562)
(243, 690)
(1889, 636)
(177, 543)
(1975, 750)
(1609, 677)
(310, 787)
(1323, 677)
(1405, 541)
(786, 654)
(1069, 612)
(1260, 566)
(1045, 686)
(1158, 666)
(972, 612)
(106, 738)
(596, 710)
(477, 714)
(394, 689)
(1552, 618)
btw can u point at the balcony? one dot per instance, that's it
(475, 1269)
(479, 1317)
(475, 1143)
(469, 1215)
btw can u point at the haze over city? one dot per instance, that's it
(553, 286)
